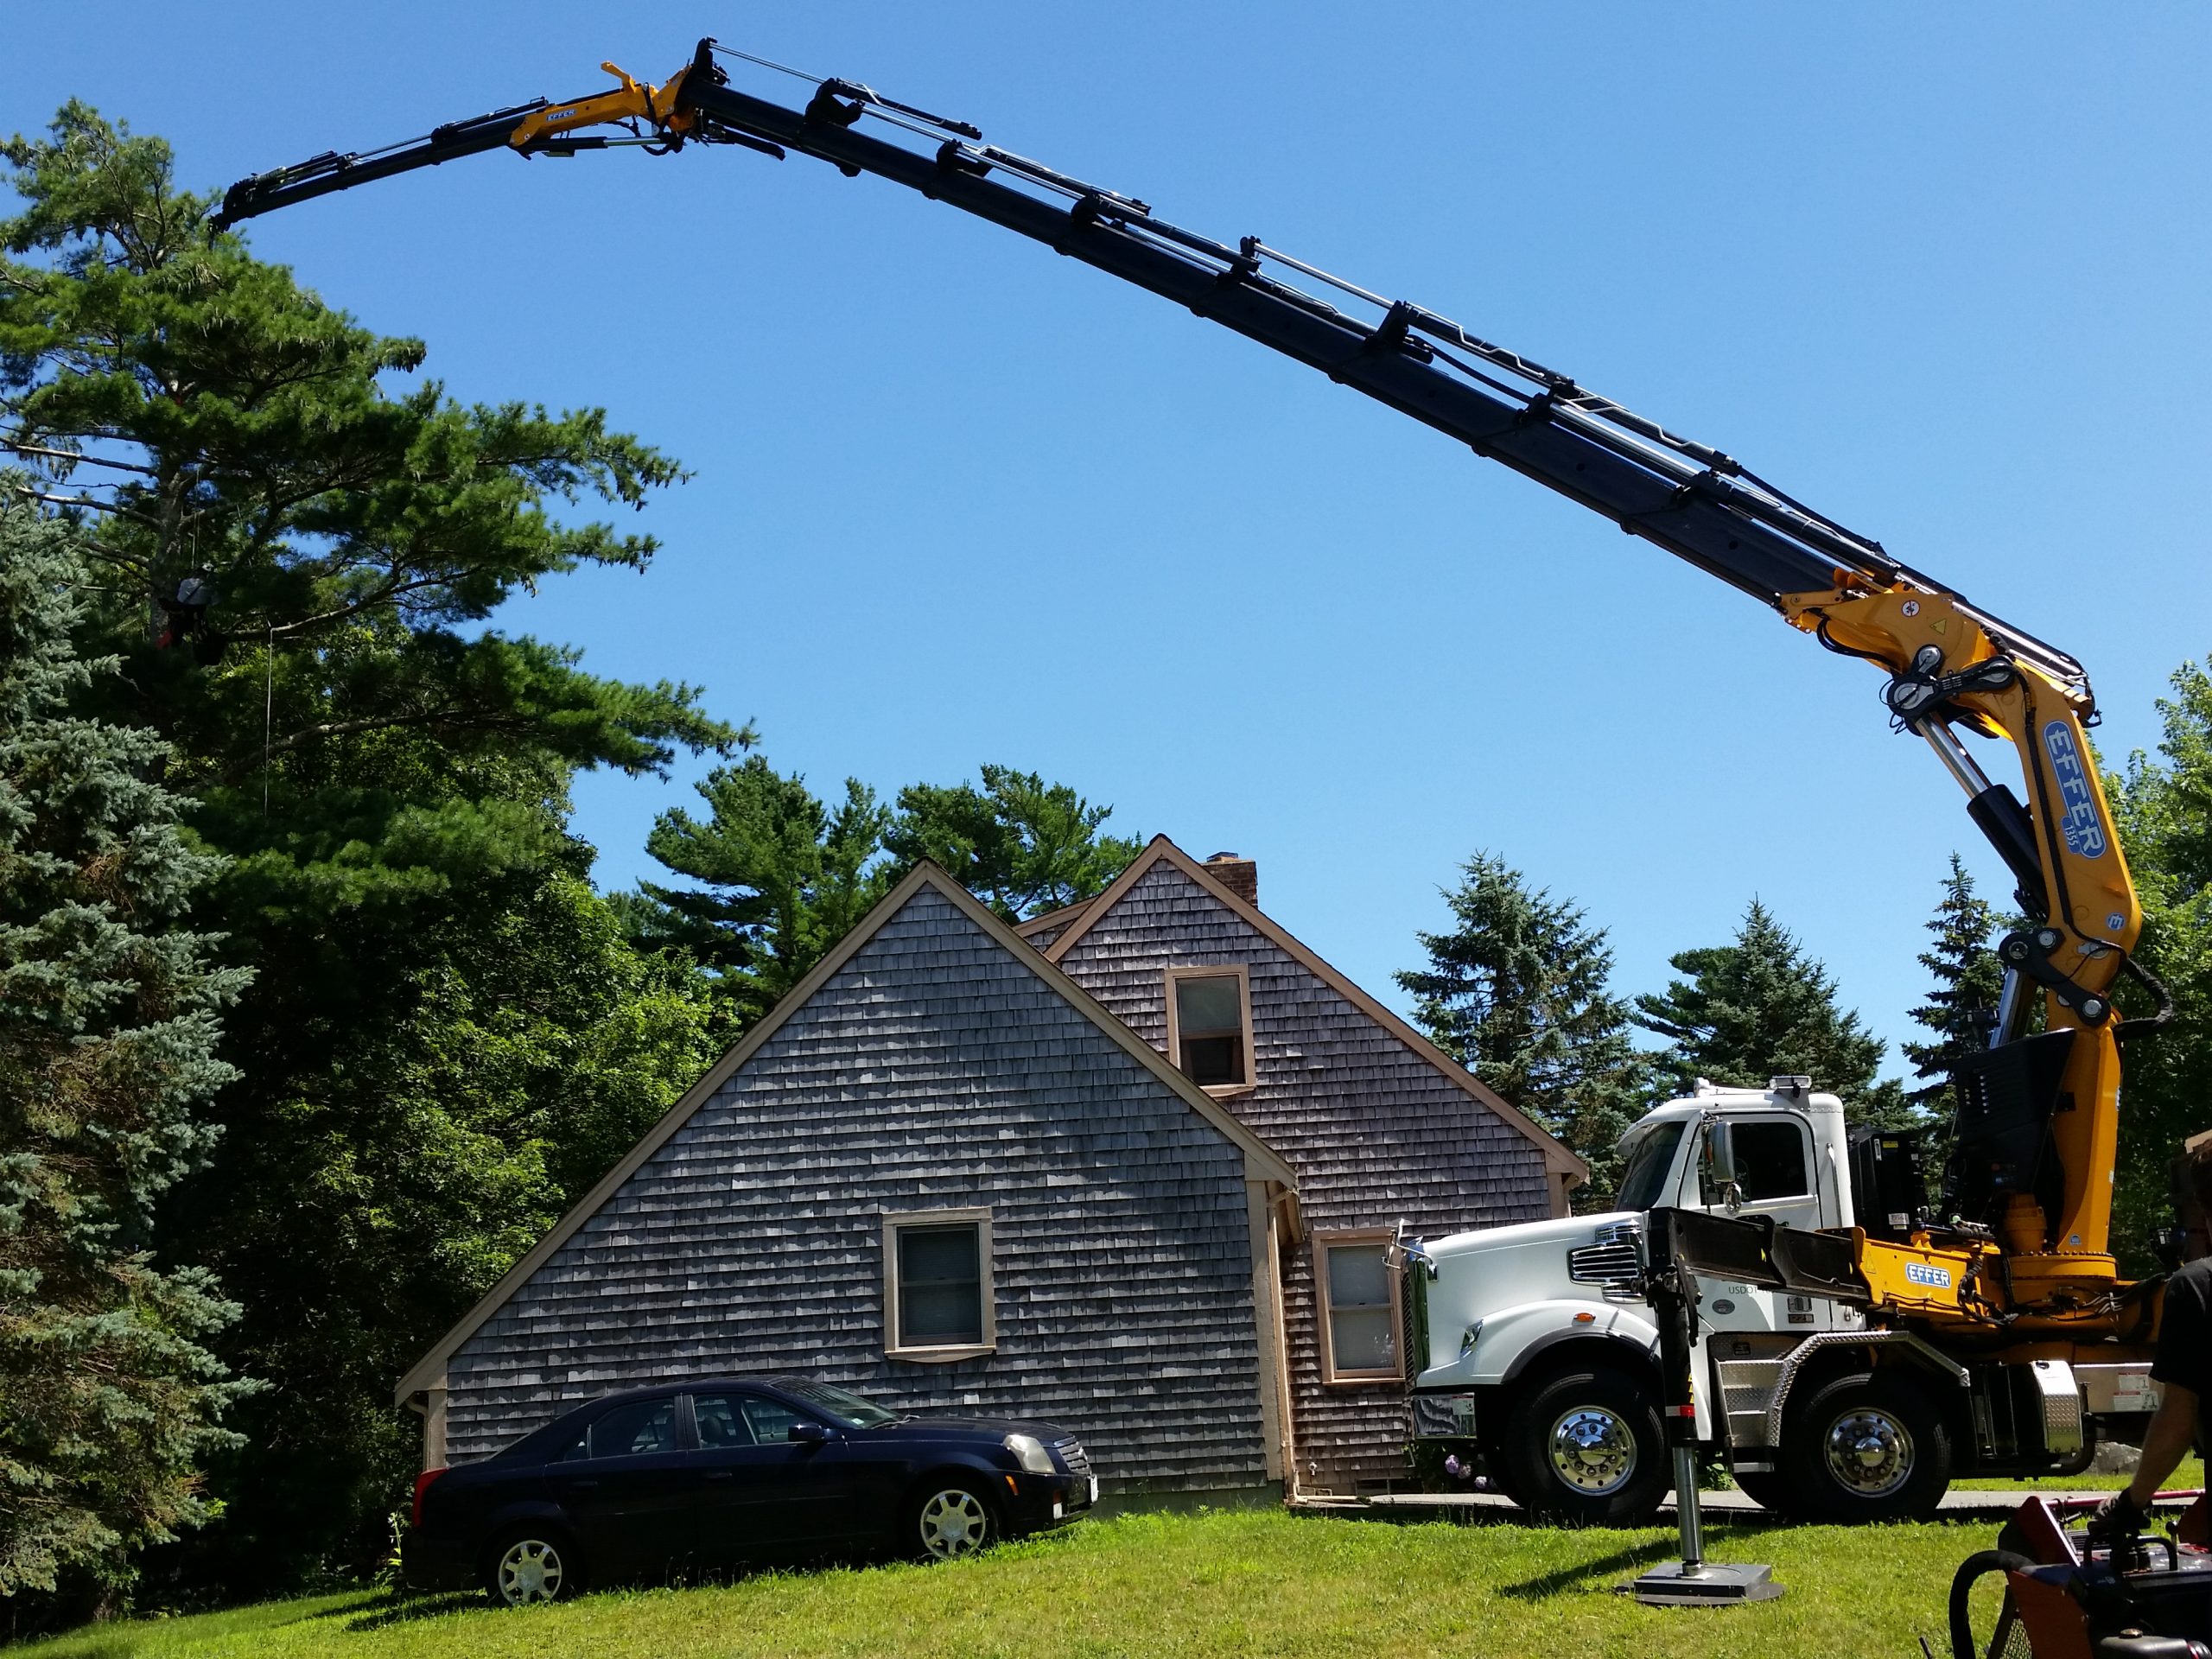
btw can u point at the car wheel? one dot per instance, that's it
(949, 1518)
(1869, 1447)
(531, 1565)
(1586, 1446)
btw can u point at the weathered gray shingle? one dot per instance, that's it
(936, 1068)
(1376, 1133)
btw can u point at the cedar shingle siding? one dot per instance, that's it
(1376, 1133)
(936, 1068)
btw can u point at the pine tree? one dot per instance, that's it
(783, 878)
(1022, 845)
(110, 1402)
(321, 544)
(1968, 979)
(1757, 1008)
(1518, 994)
(782, 875)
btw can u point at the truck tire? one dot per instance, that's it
(1585, 1445)
(1867, 1447)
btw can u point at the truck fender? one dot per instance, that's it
(1511, 1340)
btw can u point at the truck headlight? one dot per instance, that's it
(1029, 1452)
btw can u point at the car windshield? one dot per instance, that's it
(1650, 1160)
(848, 1409)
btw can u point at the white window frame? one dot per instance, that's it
(1368, 1237)
(895, 1221)
(1242, 975)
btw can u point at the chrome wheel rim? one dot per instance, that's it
(1869, 1451)
(529, 1571)
(1592, 1451)
(954, 1523)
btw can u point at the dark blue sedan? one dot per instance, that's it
(708, 1474)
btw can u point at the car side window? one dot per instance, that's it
(640, 1426)
(721, 1421)
(770, 1420)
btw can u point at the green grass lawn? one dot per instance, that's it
(2189, 1476)
(1240, 1582)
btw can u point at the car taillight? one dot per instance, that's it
(422, 1485)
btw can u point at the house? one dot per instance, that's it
(1381, 1126)
(958, 1168)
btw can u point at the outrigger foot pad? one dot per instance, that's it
(1713, 1584)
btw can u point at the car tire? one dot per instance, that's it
(948, 1517)
(1586, 1447)
(529, 1565)
(1869, 1446)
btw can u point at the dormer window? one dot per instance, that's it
(1210, 1025)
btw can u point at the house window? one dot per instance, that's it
(1358, 1298)
(1210, 1025)
(936, 1284)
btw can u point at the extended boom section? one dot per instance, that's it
(2030, 1185)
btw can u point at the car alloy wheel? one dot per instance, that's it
(530, 1571)
(954, 1523)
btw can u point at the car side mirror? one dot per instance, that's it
(807, 1435)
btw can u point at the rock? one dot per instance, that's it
(2114, 1459)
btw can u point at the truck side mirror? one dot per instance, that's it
(1720, 1164)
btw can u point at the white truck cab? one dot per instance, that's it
(1529, 1352)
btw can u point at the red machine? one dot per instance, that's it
(2067, 1598)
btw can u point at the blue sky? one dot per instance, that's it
(1938, 271)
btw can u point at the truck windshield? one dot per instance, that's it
(1643, 1182)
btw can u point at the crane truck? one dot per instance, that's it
(1991, 1330)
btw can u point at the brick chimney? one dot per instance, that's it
(1239, 874)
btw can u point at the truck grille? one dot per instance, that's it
(1073, 1455)
(1610, 1261)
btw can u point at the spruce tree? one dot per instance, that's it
(1518, 993)
(109, 1400)
(1968, 981)
(1757, 1008)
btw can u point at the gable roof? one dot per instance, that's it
(1052, 919)
(1261, 1161)
(1160, 850)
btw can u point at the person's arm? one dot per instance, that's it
(2173, 1430)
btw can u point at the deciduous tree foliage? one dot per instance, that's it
(109, 1400)
(2164, 807)
(446, 1031)
(1757, 1008)
(1519, 993)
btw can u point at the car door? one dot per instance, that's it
(626, 1487)
(762, 1490)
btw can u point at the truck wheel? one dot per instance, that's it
(1586, 1446)
(1867, 1448)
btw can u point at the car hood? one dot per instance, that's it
(994, 1428)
